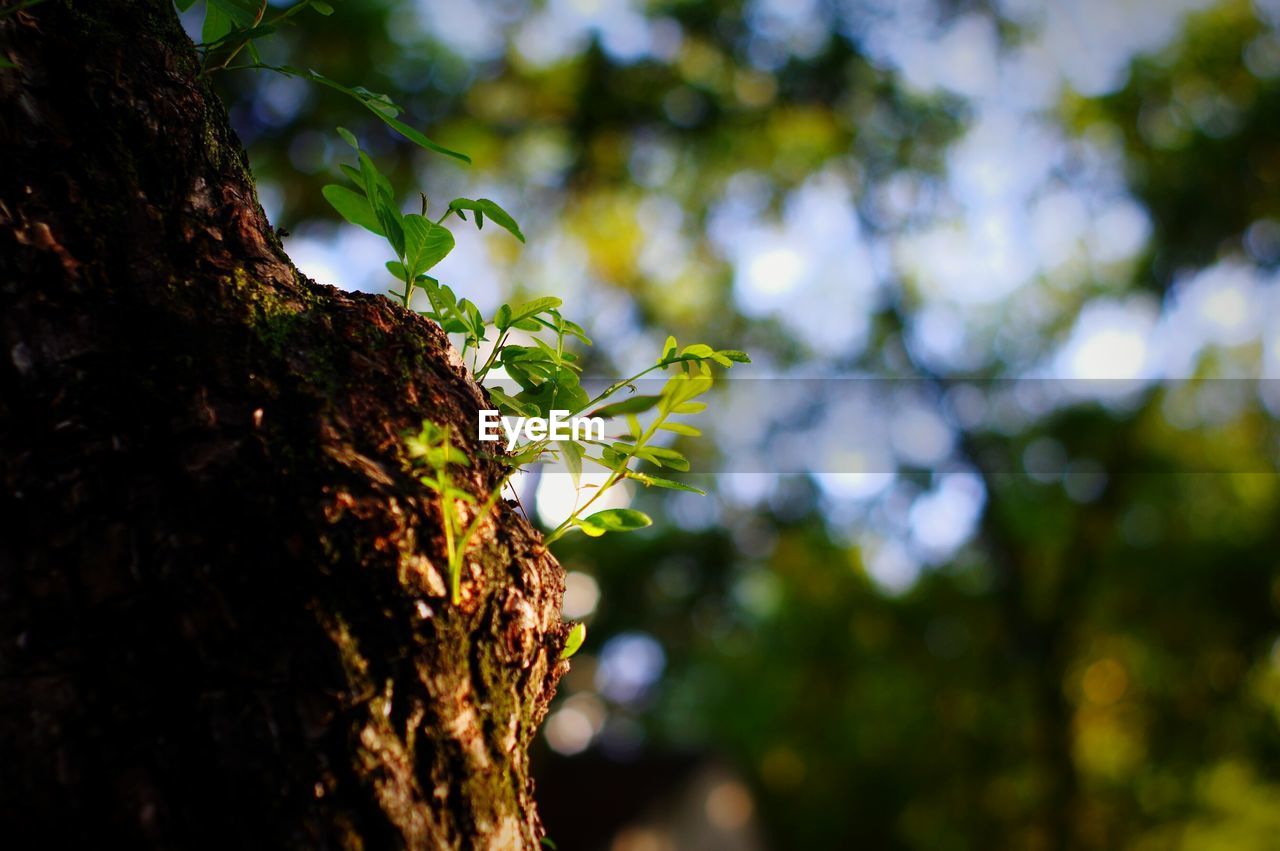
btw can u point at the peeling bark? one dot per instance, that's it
(223, 611)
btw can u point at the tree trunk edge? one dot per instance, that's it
(222, 603)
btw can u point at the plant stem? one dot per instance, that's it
(458, 553)
(618, 385)
(256, 21)
(561, 530)
(448, 517)
(493, 355)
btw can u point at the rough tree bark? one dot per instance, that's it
(223, 619)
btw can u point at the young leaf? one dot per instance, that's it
(240, 36)
(525, 311)
(353, 207)
(377, 189)
(243, 12)
(425, 243)
(576, 330)
(484, 207)
(379, 104)
(223, 16)
(681, 388)
(217, 24)
(348, 137)
(664, 457)
(681, 428)
(573, 641)
(417, 138)
(516, 406)
(471, 319)
(618, 520)
(659, 482)
(353, 173)
(560, 390)
(697, 350)
(631, 405)
(572, 455)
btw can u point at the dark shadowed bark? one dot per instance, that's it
(223, 618)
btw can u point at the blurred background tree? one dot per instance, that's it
(950, 590)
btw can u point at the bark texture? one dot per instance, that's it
(223, 616)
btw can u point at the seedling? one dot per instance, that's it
(432, 450)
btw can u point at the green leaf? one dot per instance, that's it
(632, 405)
(243, 12)
(484, 207)
(616, 520)
(472, 320)
(322, 7)
(559, 391)
(217, 24)
(512, 404)
(572, 455)
(659, 482)
(572, 643)
(377, 188)
(666, 457)
(681, 388)
(379, 104)
(697, 350)
(353, 173)
(240, 36)
(526, 354)
(417, 138)
(576, 330)
(353, 207)
(425, 243)
(5, 63)
(681, 428)
(223, 16)
(184, 5)
(525, 311)
(668, 349)
(348, 137)
(527, 454)
(613, 459)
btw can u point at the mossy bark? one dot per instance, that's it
(223, 619)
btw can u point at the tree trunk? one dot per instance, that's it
(223, 610)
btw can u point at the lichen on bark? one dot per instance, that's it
(223, 618)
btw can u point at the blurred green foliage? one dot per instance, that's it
(1094, 669)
